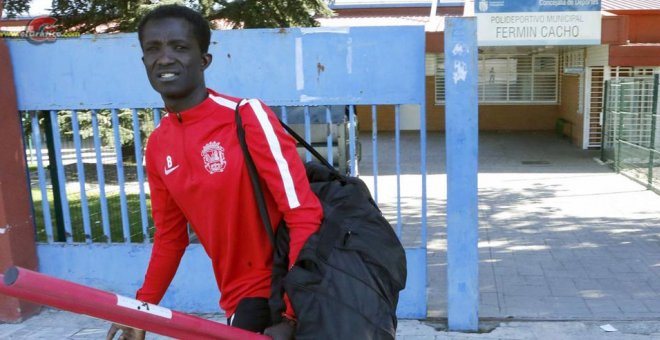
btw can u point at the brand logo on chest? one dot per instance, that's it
(170, 167)
(214, 157)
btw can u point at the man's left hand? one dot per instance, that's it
(283, 330)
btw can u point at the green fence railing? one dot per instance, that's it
(630, 123)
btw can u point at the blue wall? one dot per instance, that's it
(120, 268)
(288, 66)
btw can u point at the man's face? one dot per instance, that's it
(172, 57)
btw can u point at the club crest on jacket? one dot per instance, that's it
(214, 157)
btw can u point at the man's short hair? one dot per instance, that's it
(201, 28)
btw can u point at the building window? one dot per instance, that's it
(440, 80)
(572, 63)
(508, 79)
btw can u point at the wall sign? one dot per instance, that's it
(538, 22)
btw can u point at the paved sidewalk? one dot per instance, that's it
(561, 236)
(54, 324)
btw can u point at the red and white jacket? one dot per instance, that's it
(197, 174)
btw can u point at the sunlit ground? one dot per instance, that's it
(560, 236)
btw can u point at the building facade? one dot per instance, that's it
(523, 88)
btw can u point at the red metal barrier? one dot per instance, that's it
(17, 244)
(42, 289)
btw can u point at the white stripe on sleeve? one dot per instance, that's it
(223, 101)
(276, 150)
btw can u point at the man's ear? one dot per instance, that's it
(206, 60)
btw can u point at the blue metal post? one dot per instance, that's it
(120, 177)
(100, 175)
(422, 168)
(284, 117)
(352, 140)
(397, 147)
(156, 118)
(36, 137)
(137, 140)
(328, 121)
(308, 133)
(462, 166)
(374, 145)
(80, 166)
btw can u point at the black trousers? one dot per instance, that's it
(252, 314)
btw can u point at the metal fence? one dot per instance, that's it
(630, 121)
(96, 193)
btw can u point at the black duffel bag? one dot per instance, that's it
(346, 281)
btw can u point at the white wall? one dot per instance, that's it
(597, 55)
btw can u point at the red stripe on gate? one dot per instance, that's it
(42, 289)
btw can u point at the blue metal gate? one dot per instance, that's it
(94, 88)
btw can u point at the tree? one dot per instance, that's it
(123, 15)
(269, 14)
(14, 8)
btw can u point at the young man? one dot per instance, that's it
(197, 175)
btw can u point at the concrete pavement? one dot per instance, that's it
(561, 236)
(54, 324)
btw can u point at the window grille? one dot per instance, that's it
(440, 80)
(573, 58)
(510, 79)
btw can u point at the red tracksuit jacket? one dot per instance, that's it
(197, 174)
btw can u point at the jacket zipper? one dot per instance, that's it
(183, 143)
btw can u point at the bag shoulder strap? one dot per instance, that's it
(254, 178)
(307, 146)
(252, 169)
